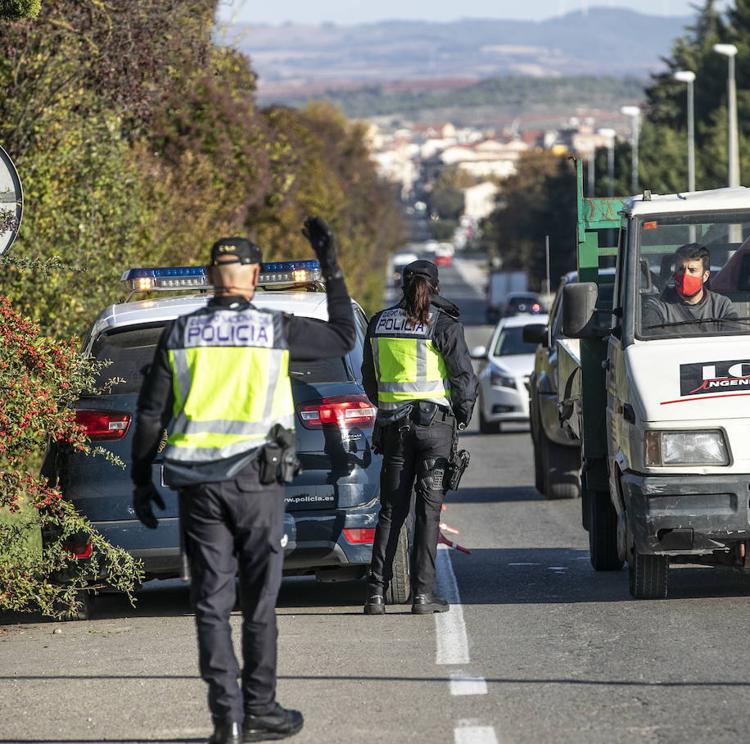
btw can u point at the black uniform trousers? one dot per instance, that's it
(412, 453)
(235, 528)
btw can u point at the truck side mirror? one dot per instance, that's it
(535, 333)
(579, 311)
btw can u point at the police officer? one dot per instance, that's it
(220, 385)
(418, 372)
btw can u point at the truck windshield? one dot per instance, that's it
(693, 275)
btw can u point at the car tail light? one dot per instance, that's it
(344, 411)
(102, 425)
(83, 553)
(359, 536)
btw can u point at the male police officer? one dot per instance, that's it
(219, 382)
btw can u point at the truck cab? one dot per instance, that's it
(664, 382)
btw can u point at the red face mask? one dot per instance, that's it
(687, 285)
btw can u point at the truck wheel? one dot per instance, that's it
(603, 532)
(487, 427)
(400, 587)
(534, 428)
(648, 575)
(560, 469)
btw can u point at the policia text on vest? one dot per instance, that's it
(220, 384)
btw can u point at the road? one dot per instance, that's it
(539, 648)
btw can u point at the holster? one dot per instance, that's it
(277, 461)
(424, 412)
(459, 463)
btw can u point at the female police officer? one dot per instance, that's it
(417, 371)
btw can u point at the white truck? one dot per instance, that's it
(663, 382)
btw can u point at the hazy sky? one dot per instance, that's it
(357, 11)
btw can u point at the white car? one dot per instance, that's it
(399, 260)
(503, 396)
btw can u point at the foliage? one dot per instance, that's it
(13, 10)
(511, 93)
(539, 200)
(140, 141)
(39, 377)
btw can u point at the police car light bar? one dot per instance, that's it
(290, 273)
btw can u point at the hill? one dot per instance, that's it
(310, 59)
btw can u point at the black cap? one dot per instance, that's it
(427, 269)
(245, 251)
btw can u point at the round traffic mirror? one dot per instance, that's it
(11, 202)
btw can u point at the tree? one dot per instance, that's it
(14, 10)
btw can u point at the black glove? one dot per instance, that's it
(142, 498)
(324, 244)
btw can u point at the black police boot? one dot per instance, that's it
(375, 602)
(226, 732)
(280, 723)
(426, 604)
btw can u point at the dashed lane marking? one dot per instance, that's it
(475, 735)
(451, 638)
(462, 684)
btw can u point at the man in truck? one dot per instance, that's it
(689, 301)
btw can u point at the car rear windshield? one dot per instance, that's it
(131, 351)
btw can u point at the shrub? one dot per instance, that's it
(39, 377)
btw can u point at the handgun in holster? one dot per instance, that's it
(460, 460)
(278, 461)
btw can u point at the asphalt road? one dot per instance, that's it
(539, 648)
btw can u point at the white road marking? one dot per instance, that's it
(474, 735)
(557, 568)
(462, 684)
(452, 642)
(523, 564)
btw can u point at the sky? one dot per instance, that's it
(359, 11)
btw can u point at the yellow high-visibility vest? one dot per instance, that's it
(408, 365)
(230, 379)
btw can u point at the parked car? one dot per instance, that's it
(332, 506)
(399, 260)
(503, 397)
(523, 303)
(557, 453)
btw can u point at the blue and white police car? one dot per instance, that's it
(331, 507)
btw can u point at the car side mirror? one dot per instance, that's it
(478, 352)
(535, 333)
(580, 317)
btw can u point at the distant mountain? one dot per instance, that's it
(604, 41)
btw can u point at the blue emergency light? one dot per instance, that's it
(278, 273)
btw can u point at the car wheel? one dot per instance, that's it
(487, 427)
(561, 465)
(648, 575)
(85, 610)
(400, 587)
(603, 532)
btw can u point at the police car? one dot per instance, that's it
(332, 505)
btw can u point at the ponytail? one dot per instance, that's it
(417, 295)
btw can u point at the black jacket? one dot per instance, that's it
(308, 339)
(449, 339)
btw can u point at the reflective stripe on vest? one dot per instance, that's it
(230, 375)
(408, 365)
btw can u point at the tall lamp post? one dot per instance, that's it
(610, 135)
(634, 114)
(730, 52)
(687, 76)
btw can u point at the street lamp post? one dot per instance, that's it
(730, 52)
(687, 76)
(634, 114)
(610, 135)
